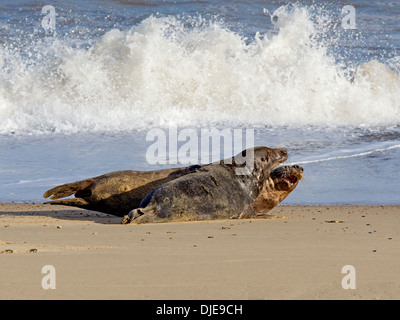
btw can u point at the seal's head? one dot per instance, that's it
(271, 157)
(262, 159)
(286, 178)
(281, 182)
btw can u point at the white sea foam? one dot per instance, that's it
(346, 154)
(163, 71)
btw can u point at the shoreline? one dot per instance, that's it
(297, 254)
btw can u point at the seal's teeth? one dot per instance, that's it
(290, 180)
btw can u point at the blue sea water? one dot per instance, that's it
(79, 97)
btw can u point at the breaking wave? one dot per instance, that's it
(192, 72)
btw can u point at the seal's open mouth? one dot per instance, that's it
(286, 177)
(290, 180)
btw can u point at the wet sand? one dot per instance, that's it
(299, 254)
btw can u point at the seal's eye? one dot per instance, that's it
(284, 153)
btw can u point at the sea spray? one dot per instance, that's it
(190, 71)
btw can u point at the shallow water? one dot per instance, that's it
(80, 102)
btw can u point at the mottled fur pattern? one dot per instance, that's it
(114, 193)
(214, 191)
(281, 182)
(118, 192)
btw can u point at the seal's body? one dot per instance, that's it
(214, 191)
(115, 193)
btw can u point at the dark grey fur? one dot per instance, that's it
(214, 191)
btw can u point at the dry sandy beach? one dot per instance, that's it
(297, 255)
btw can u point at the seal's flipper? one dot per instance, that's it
(68, 189)
(140, 215)
(76, 202)
(133, 215)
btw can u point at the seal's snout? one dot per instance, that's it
(298, 168)
(283, 154)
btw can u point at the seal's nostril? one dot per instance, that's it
(298, 168)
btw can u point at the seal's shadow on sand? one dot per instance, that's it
(58, 214)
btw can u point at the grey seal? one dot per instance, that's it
(116, 192)
(281, 182)
(214, 191)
